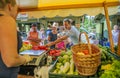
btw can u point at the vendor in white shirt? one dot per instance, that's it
(70, 31)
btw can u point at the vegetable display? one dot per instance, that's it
(26, 46)
(54, 52)
(65, 64)
(110, 66)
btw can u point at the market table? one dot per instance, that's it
(39, 59)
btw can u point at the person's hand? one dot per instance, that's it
(49, 44)
(27, 58)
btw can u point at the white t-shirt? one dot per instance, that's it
(73, 34)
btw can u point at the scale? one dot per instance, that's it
(36, 55)
(39, 59)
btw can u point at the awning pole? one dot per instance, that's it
(118, 50)
(108, 26)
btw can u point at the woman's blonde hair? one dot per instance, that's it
(3, 3)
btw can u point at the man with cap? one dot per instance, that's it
(70, 32)
(33, 35)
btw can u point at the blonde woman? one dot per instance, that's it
(10, 60)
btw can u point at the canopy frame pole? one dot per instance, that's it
(108, 26)
(118, 50)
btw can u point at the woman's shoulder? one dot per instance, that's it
(7, 21)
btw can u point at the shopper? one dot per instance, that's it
(70, 31)
(115, 33)
(61, 45)
(48, 30)
(42, 36)
(10, 60)
(34, 35)
(52, 36)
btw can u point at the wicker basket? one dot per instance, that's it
(86, 64)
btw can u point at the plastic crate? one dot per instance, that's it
(115, 55)
(53, 75)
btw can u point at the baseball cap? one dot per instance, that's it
(55, 25)
(34, 25)
(67, 20)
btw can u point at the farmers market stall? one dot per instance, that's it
(62, 63)
(78, 62)
(65, 65)
(54, 8)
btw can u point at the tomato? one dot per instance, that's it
(35, 48)
(52, 51)
(42, 47)
(26, 42)
(57, 51)
(46, 48)
(50, 54)
(57, 54)
(86, 52)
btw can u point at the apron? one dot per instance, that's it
(34, 35)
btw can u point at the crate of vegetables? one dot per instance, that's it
(107, 54)
(64, 67)
(54, 54)
(108, 60)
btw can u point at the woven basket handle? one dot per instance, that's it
(88, 42)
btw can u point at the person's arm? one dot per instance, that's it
(8, 43)
(56, 46)
(57, 41)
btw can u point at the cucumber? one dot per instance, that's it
(72, 67)
(66, 67)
